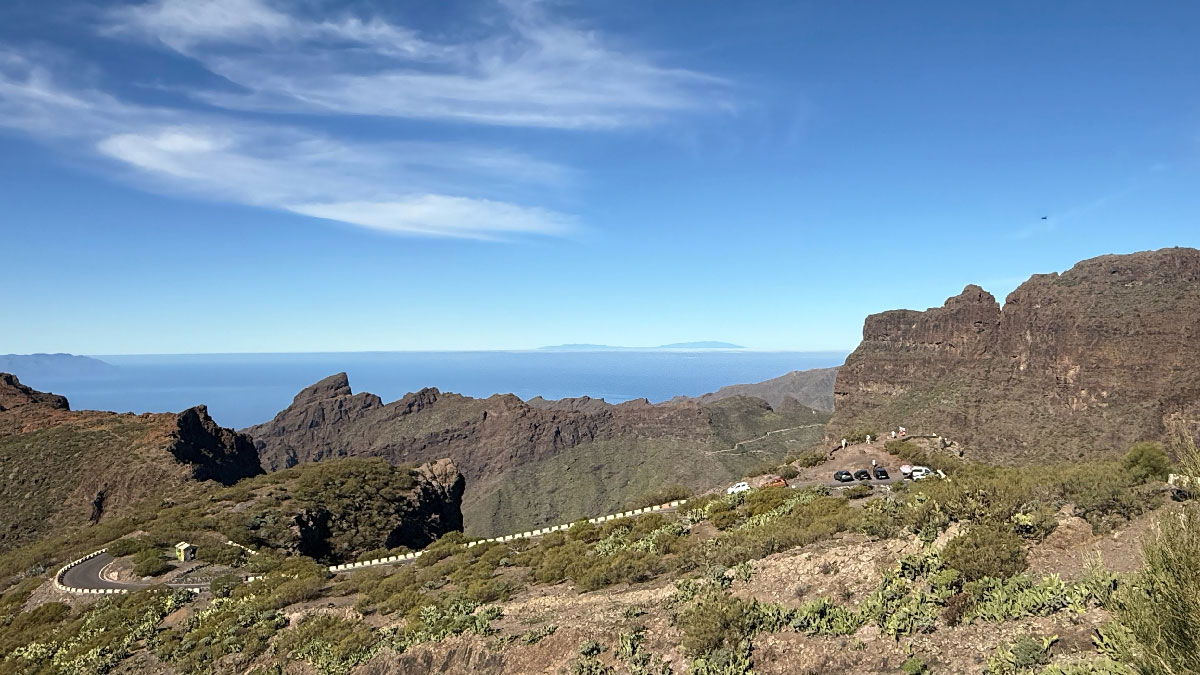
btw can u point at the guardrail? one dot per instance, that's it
(388, 560)
(392, 559)
(58, 576)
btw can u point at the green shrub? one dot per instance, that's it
(99, 639)
(914, 666)
(222, 586)
(714, 622)
(986, 551)
(787, 472)
(810, 458)
(663, 496)
(331, 644)
(1022, 656)
(725, 661)
(857, 492)
(1159, 612)
(859, 434)
(723, 520)
(621, 567)
(997, 600)
(220, 553)
(589, 662)
(243, 623)
(881, 518)
(149, 563)
(448, 617)
(127, 546)
(1147, 460)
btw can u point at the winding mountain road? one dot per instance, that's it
(87, 575)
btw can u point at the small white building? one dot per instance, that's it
(185, 551)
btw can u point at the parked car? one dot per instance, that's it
(906, 471)
(843, 477)
(738, 487)
(777, 481)
(862, 474)
(881, 473)
(920, 472)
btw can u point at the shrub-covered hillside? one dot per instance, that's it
(64, 468)
(998, 570)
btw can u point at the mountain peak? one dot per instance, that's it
(333, 386)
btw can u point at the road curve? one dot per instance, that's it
(87, 576)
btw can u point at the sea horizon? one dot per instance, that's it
(241, 389)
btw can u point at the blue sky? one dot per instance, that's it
(266, 175)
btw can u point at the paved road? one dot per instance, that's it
(87, 574)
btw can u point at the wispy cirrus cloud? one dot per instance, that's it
(287, 168)
(520, 67)
(529, 70)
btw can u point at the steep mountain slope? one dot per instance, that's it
(63, 467)
(810, 388)
(532, 463)
(1084, 362)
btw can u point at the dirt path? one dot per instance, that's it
(754, 440)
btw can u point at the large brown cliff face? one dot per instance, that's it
(482, 435)
(1092, 360)
(65, 468)
(490, 439)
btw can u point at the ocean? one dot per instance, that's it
(245, 389)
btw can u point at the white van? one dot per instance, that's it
(738, 487)
(919, 472)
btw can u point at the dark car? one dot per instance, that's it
(843, 477)
(862, 474)
(881, 473)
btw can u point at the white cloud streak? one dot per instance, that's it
(389, 186)
(530, 71)
(520, 67)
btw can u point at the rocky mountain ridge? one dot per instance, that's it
(1074, 364)
(514, 453)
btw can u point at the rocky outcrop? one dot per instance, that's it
(67, 468)
(484, 435)
(336, 511)
(439, 493)
(1087, 361)
(213, 452)
(13, 394)
(493, 439)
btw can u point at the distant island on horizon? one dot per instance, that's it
(704, 344)
(54, 365)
